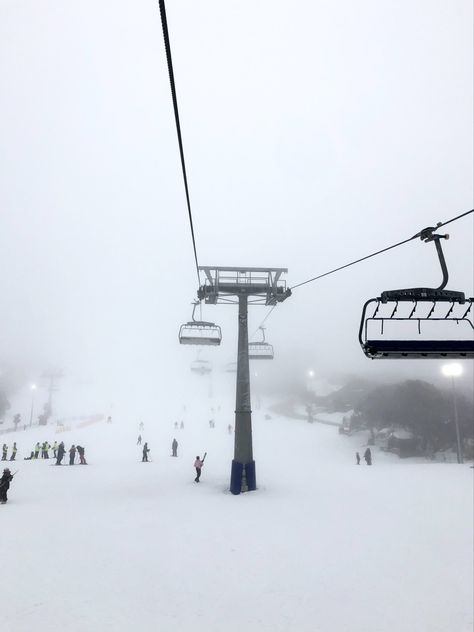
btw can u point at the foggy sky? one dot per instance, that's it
(314, 133)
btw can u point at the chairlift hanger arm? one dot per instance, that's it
(426, 235)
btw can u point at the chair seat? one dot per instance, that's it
(419, 348)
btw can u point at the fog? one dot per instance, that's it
(314, 134)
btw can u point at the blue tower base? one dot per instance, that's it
(242, 477)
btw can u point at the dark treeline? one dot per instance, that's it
(414, 405)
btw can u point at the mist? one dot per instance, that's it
(311, 138)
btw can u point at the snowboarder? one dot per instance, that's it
(139, 440)
(145, 453)
(4, 452)
(368, 456)
(5, 485)
(28, 458)
(358, 458)
(174, 448)
(81, 452)
(55, 448)
(61, 452)
(37, 449)
(198, 463)
(72, 454)
(14, 451)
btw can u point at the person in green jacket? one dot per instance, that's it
(14, 451)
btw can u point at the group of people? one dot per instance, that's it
(5, 452)
(198, 463)
(59, 452)
(367, 457)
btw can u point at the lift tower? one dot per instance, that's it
(243, 286)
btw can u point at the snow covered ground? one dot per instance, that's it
(323, 545)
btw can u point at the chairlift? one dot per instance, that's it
(261, 350)
(199, 332)
(201, 367)
(431, 312)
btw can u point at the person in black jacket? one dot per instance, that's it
(5, 485)
(61, 452)
(82, 458)
(368, 456)
(145, 453)
(72, 454)
(174, 448)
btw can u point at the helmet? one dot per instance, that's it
(6, 469)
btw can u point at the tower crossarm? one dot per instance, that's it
(224, 284)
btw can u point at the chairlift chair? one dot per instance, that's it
(261, 350)
(201, 367)
(436, 309)
(199, 332)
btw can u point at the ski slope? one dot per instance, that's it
(323, 545)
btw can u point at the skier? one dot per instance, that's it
(37, 449)
(139, 440)
(368, 456)
(14, 451)
(174, 448)
(4, 452)
(5, 485)
(72, 454)
(55, 448)
(358, 458)
(82, 458)
(198, 465)
(145, 453)
(61, 452)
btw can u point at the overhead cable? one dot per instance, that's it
(263, 321)
(374, 254)
(166, 38)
